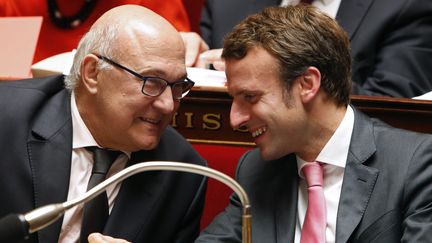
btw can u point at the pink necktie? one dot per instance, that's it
(314, 225)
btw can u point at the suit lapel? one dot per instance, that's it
(286, 213)
(351, 13)
(49, 148)
(359, 180)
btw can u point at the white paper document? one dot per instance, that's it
(57, 64)
(207, 79)
(427, 96)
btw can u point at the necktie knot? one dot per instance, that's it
(313, 173)
(103, 159)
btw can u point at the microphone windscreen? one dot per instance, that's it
(13, 228)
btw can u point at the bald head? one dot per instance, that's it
(125, 31)
(129, 15)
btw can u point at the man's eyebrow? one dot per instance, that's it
(155, 72)
(146, 71)
(239, 92)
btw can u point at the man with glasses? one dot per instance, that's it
(126, 82)
(154, 86)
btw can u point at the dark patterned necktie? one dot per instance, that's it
(96, 210)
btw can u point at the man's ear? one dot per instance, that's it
(310, 83)
(89, 73)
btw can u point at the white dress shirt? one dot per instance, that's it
(81, 167)
(329, 7)
(333, 157)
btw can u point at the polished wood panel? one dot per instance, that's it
(203, 116)
(410, 114)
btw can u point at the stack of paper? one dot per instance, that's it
(57, 64)
(207, 79)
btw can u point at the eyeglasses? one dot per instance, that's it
(155, 86)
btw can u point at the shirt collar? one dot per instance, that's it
(81, 136)
(335, 152)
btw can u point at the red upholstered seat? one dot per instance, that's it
(223, 158)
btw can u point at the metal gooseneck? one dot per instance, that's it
(41, 217)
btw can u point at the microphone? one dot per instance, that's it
(15, 227)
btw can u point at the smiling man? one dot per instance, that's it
(126, 83)
(323, 171)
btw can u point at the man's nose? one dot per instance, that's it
(238, 115)
(165, 101)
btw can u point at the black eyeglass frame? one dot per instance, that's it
(189, 82)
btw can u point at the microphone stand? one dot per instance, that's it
(41, 217)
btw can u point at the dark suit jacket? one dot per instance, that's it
(391, 40)
(386, 193)
(36, 149)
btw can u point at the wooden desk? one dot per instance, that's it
(203, 116)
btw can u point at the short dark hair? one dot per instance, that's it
(298, 36)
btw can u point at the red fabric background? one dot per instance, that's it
(193, 9)
(54, 40)
(224, 159)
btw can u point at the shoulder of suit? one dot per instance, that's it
(251, 164)
(46, 85)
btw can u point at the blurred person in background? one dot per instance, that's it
(65, 21)
(391, 40)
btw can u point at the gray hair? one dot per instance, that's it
(98, 40)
